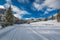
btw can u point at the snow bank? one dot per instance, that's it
(46, 23)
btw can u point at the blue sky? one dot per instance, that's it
(32, 8)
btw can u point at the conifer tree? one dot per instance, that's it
(58, 16)
(52, 17)
(9, 18)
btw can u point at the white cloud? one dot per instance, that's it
(16, 9)
(38, 6)
(48, 10)
(52, 3)
(19, 12)
(55, 4)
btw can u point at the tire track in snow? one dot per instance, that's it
(44, 38)
(8, 33)
(43, 35)
(14, 33)
(5, 31)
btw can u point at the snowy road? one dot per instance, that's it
(29, 33)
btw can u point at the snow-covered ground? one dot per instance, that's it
(33, 31)
(46, 23)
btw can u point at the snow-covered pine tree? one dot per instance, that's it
(58, 16)
(52, 17)
(9, 18)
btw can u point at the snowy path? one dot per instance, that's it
(29, 33)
